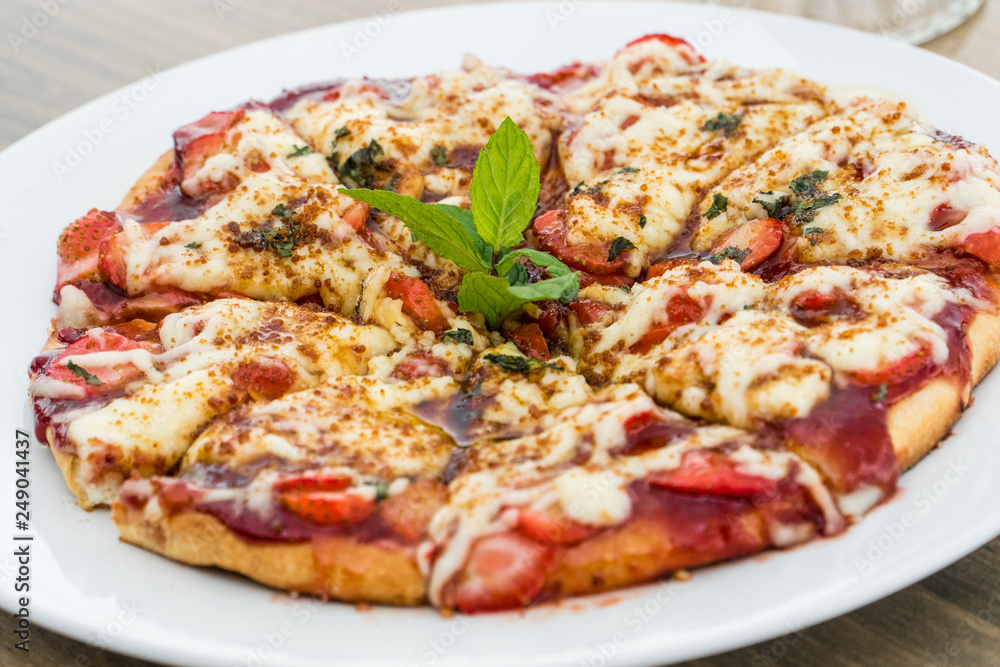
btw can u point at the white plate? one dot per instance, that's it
(88, 585)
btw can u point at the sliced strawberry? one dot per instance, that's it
(681, 45)
(112, 262)
(356, 216)
(550, 229)
(420, 364)
(647, 431)
(945, 216)
(198, 141)
(566, 78)
(530, 340)
(314, 483)
(758, 238)
(711, 473)
(323, 499)
(813, 308)
(551, 318)
(503, 571)
(681, 309)
(589, 311)
(418, 301)
(984, 245)
(551, 527)
(268, 378)
(69, 366)
(80, 245)
(896, 371)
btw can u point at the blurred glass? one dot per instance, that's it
(914, 21)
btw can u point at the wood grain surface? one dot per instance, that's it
(89, 47)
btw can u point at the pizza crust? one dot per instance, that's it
(919, 422)
(151, 181)
(330, 567)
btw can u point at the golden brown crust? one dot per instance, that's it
(334, 567)
(919, 422)
(151, 181)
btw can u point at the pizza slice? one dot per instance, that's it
(868, 182)
(840, 363)
(658, 127)
(129, 399)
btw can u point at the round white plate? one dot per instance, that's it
(86, 584)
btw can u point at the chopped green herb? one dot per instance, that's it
(625, 288)
(729, 252)
(727, 122)
(339, 134)
(298, 151)
(719, 206)
(281, 241)
(439, 155)
(192, 245)
(619, 245)
(805, 185)
(804, 210)
(880, 395)
(83, 373)
(777, 208)
(577, 189)
(360, 169)
(628, 170)
(457, 336)
(642, 221)
(282, 211)
(381, 491)
(812, 230)
(390, 185)
(509, 362)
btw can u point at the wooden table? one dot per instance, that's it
(89, 48)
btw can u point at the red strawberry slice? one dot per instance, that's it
(551, 319)
(69, 366)
(418, 301)
(503, 571)
(356, 216)
(112, 262)
(550, 229)
(681, 45)
(420, 364)
(984, 245)
(681, 309)
(588, 311)
(566, 78)
(80, 245)
(268, 378)
(198, 141)
(759, 239)
(813, 308)
(711, 473)
(896, 371)
(530, 340)
(324, 499)
(551, 527)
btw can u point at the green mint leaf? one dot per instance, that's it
(777, 208)
(496, 298)
(298, 151)
(360, 169)
(805, 185)
(729, 252)
(517, 275)
(439, 156)
(458, 336)
(445, 229)
(719, 206)
(83, 373)
(505, 187)
(642, 221)
(619, 245)
(553, 267)
(509, 362)
(192, 245)
(727, 122)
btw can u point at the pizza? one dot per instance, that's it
(481, 339)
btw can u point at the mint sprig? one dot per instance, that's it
(504, 194)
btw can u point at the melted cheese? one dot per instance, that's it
(892, 174)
